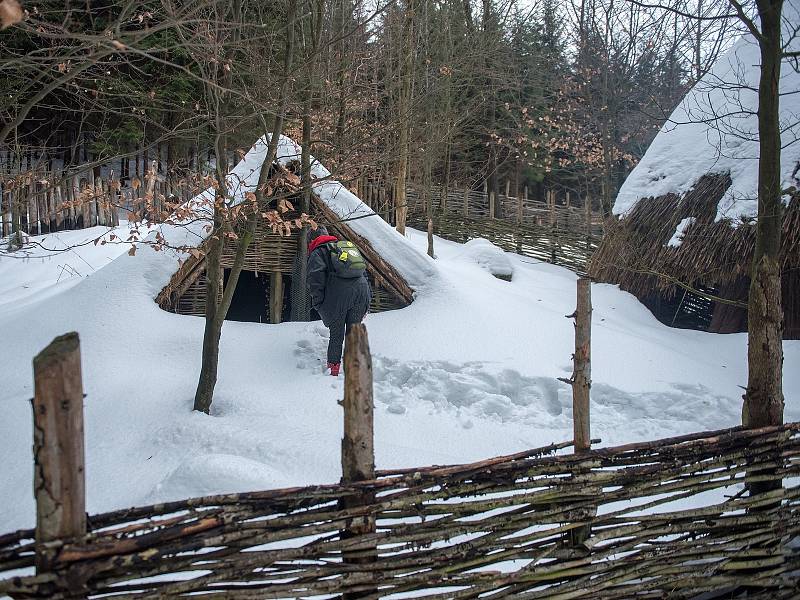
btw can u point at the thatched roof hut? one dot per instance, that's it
(684, 236)
(269, 281)
(702, 283)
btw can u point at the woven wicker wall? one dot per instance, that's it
(268, 253)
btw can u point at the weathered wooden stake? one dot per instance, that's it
(582, 374)
(551, 199)
(358, 444)
(149, 194)
(430, 237)
(275, 297)
(59, 479)
(581, 382)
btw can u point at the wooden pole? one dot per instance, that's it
(466, 202)
(100, 200)
(552, 202)
(85, 196)
(5, 229)
(59, 482)
(58, 204)
(492, 201)
(150, 184)
(582, 374)
(358, 444)
(275, 297)
(581, 382)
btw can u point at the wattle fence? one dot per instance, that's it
(668, 519)
(38, 202)
(714, 512)
(566, 231)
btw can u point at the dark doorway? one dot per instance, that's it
(684, 309)
(251, 297)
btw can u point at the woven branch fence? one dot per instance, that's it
(39, 202)
(669, 519)
(564, 233)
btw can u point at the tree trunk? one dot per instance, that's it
(763, 400)
(301, 305)
(406, 73)
(216, 313)
(301, 309)
(213, 326)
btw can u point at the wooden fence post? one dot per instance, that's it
(492, 201)
(582, 374)
(275, 297)
(552, 204)
(5, 230)
(466, 202)
(358, 444)
(59, 479)
(149, 197)
(581, 382)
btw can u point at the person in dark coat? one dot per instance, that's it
(340, 302)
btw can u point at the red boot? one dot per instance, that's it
(334, 367)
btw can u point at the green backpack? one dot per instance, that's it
(347, 260)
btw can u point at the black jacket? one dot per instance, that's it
(331, 296)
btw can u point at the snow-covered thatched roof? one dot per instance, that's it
(414, 266)
(714, 131)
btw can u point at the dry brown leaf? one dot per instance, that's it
(11, 13)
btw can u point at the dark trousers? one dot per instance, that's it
(338, 329)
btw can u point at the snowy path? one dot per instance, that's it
(467, 372)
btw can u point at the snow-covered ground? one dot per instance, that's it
(467, 371)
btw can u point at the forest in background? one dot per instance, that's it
(548, 95)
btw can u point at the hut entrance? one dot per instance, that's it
(684, 309)
(259, 297)
(251, 297)
(264, 291)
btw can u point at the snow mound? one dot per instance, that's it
(714, 130)
(489, 257)
(211, 474)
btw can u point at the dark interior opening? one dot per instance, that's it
(684, 310)
(251, 297)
